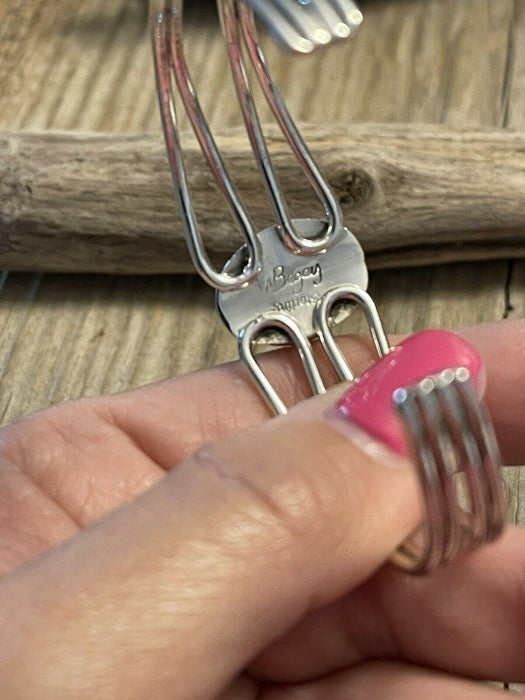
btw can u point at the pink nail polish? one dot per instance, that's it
(368, 402)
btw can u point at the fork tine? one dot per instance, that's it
(350, 13)
(283, 322)
(307, 19)
(317, 21)
(322, 321)
(338, 28)
(458, 410)
(432, 546)
(236, 16)
(281, 27)
(450, 434)
(441, 441)
(170, 64)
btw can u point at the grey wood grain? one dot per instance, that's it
(411, 194)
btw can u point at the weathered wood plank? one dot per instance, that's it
(436, 61)
(411, 194)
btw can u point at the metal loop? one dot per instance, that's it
(236, 15)
(170, 62)
(286, 324)
(356, 294)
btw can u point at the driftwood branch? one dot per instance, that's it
(412, 195)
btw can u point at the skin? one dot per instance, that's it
(172, 542)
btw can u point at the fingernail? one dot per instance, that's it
(368, 404)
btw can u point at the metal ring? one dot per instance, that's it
(452, 440)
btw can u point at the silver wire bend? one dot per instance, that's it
(285, 323)
(237, 20)
(170, 64)
(288, 325)
(349, 292)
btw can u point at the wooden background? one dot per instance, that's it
(87, 67)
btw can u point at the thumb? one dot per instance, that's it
(172, 595)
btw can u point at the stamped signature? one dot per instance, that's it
(292, 280)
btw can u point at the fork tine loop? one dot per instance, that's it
(290, 131)
(451, 435)
(322, 316)
(235, 15)
(283, 322)
(169, 60)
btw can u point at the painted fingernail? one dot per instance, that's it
(368, 402)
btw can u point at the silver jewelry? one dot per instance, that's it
(290, 282)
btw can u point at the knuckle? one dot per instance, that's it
(294, 502)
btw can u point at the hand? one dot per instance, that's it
(255, 568)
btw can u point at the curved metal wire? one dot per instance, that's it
(237, 18)
(285, 323)
(170, 63)
(451, 435)
(449, 429)
(356, 294)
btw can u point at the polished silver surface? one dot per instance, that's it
(287, 326)
(172, 70)
(292, 281)
(272, 286)
(323, 315)
(239, 29)
(303, 26)
(457, 455)
(171, 66)
(289, 283)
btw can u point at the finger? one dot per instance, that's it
(502, 347)
(29, 521)
(205, 569)
(60, 470)
(65, 467)
(89, 456)
(388, 681)
(170, 420)
(203, 395)
(466, 618)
